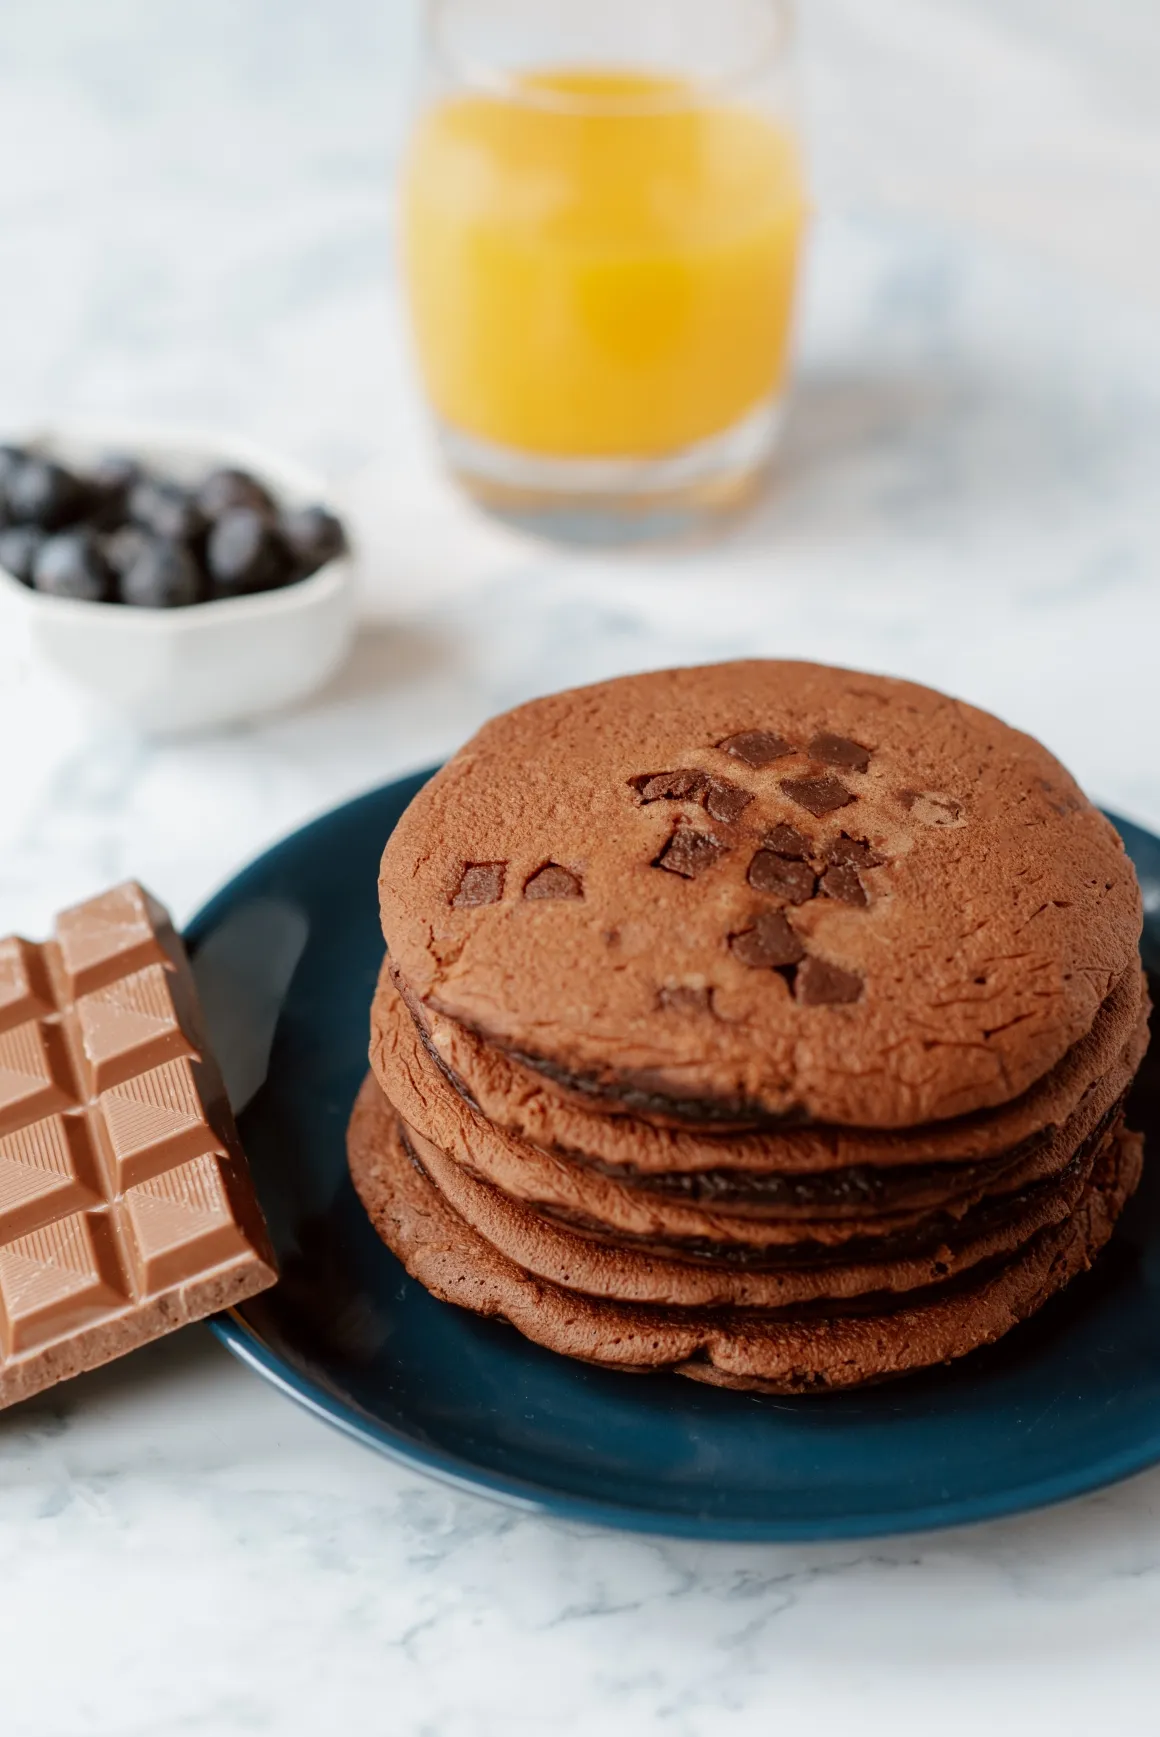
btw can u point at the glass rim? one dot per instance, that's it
(512, 84)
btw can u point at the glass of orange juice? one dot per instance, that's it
(602, 211)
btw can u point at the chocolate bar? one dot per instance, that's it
(126, 1208)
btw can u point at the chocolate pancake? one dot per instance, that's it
(763, 891)
(631, 1273)
(531, 1108)
(630, 1206)
(791, 1351)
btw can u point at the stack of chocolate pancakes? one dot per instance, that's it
(765, 1022)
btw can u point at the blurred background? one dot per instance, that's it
(198, 226)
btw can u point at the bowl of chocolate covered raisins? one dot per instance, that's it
(182, 582)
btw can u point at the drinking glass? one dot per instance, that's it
(602, 211)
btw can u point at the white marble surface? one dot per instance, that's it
(194, 227)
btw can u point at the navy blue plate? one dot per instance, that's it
(287, 957)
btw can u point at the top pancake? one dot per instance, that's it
(763, 890)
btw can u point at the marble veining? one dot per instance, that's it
(194, 227)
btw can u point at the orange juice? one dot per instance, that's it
(600, 264)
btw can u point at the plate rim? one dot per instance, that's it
(527, 1497)
(245, 1343)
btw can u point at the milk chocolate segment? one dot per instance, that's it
(125, 1206)
(36, 1076)
(111, 936)
(57, 1279)
(160, 1118)
(129, 1026)
(180, 1220)
(47, 1170)
(25, 989)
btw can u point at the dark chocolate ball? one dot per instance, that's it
(10, 458)
(164, 575)
(166, 509)
(39, 492)
(226, 488)
(109, 483)
(18, 548)
(71, 564)
(313, 537)
(245, 553)
(123, 546)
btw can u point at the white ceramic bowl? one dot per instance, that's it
(170, 670)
